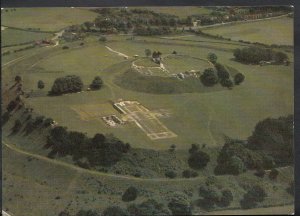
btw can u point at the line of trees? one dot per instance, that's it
(254, 55)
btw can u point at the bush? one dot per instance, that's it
(149, 207)
(41, 84)
(97, 83)
(189, 174)
(222, 72)
(18, 79)
(12, 105)
(225, 199)
(115, 211)
(5, 118)
(180, 205)
(130, 194)
(48, 122)
(239, 78)
(17, 126)
(67, 84)
(208, 78)
(103, 39)
(260, 172)
(212, 58)
(198, 160)
(226, 83)
(170, 174)
(254, 195)
(87, 213)
(273, 174)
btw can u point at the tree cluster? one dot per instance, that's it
(99, 150)
(254, 55)
(67, 84)
(197, 159)
(254, 195)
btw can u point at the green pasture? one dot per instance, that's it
(196, 117)
(46, 19)
(273, 31)
(181, 12)
(16, 37)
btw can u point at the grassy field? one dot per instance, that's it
(281, 31)
(15, 37)
(195, 117)
(46, 19)
(181, 12)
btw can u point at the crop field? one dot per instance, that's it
(45, 19)
(280, 30)
(15, 37)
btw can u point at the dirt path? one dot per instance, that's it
(119, 53)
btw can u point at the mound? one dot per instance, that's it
(135, 81)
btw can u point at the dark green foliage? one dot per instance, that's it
(130, 194)
(225, 199)
(41, 84)
(253, 55)
(189, 174)
(67, 84)
(48, 122)
(210, 192)
(59, 141)
(222, 72)
(5, 118)
(180, 205)
(87, 213)
(30, 126)
(115, 211)
(194, 148)
(209, 78)
(226, 83)
(149, 207)
(18, 79)
(170, 174)
(198, 160)
(273, 174)
(275, 138)
(17, 126)
(12, 105)
(65, 47)
(147, 31)
(239, 78)
(97, 83)
(148, 52)
(212, 58)
(64, 213)
(235, 157)
(39, 120)
(254, 195)
(260, 172)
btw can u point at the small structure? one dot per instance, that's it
(112, 120)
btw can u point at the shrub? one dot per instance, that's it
(97, 83)
(239, 78)
(208, 78)
(48, 122)
(149, 207)
(260, 172)
(254, 195)
(180, 205)
(115, 211)
(189, 174)
(170, 174)
(17, 126)
(41, 84)
(130, 194)
(65, 47)
(198, 160)
(12, 105)
(212, 58)
(221, 71)
(87, 213)
(226, 83)
(273, 174)
(225, 199)
(18, 79)
(5, 118)
(210, 192)
(194, 148)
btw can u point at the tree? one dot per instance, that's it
(88, 25)
(179, 204)
(227, 83)
(148, 52)
(239, 78)
(17, 126)
(102, 39)
(67, 84)
(254, 195)
(12, 105)
(273, 174)
(212, 58)
(194, 148)
(130, 194)
(64, 213)
(97, 83)
(115, 211)
(225, 199)
(209, 78)
(280, 57)
(87, 213)
(221, 71)
(5, 117)
(41, 84)
(189, 174)
(260, 172)
(18, 79)
(198, 160)
(170, 174)
(148, 207)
